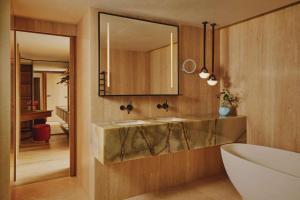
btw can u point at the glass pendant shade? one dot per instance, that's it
(212, 80)
(204, 73)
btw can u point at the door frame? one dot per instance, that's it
(59, 29)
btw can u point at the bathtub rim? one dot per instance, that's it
(224, 149)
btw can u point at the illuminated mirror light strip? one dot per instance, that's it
(108, 56)
(171, 60)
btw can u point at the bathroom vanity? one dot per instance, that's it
(139, 74)
(121, 141)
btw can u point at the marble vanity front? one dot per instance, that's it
(133, 139)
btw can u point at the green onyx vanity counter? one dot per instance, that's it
(122, 141)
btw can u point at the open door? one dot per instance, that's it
(72, 106)
(13, 106)
(32, 97)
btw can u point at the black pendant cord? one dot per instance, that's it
(204, 45)
(213, 48)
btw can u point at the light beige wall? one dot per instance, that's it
(57, 95)
(85, 161)
(197, 99)
(260, 59)
(5, 114)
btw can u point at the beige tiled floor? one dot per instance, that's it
(56, 189)
(44, 162)
(213, 188)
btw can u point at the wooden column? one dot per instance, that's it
(44, 95)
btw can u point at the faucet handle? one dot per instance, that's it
(122, 107)
(165, 106)
(129, 107)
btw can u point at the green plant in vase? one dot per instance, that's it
(228, 103)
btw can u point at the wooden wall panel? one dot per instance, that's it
(42, 26)
(26, 74)
(260, 59)
(123, 180)
(135, 72)
(5, 99)
(132, 178)
(14, 106)
(73, 107)
(17, 122)
(85, 160)
(160, 70)
(44, 89)
(128, 71)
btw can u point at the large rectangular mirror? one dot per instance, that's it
(137, 57)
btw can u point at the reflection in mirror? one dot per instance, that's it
(137, 57)
(108, 55)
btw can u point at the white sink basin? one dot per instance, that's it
(131, 122)
(170, 119)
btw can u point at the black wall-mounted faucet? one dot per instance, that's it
(164, 106)
(129, 108)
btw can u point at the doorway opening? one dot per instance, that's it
(45, 145)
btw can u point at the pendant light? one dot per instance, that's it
(212, 80)
(204, 72)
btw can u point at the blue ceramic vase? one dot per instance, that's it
(224, 111)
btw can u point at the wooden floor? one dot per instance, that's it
(213, 188)
(57, 189)
(44, 162)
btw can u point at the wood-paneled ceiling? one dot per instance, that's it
(189, 12)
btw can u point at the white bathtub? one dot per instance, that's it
(262, 173)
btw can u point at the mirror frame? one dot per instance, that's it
(99, 57)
